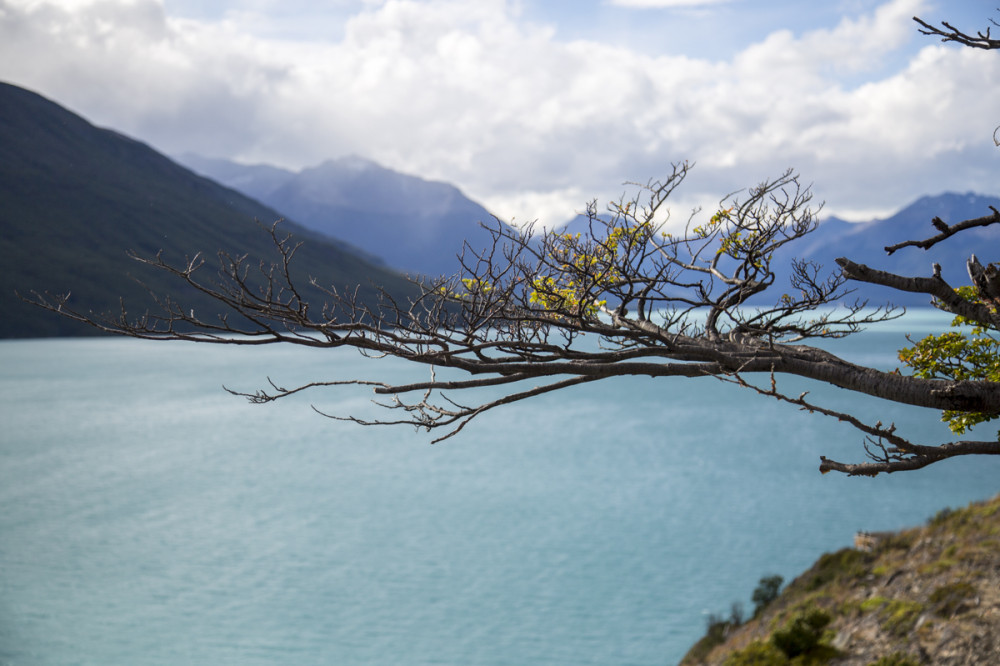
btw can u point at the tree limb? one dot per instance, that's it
(900, 454)
(947, 231)
(944, 294)
(951, 34)
(626, 299)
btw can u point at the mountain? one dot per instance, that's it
(356, 200)
(865, 243)
(77, 198)
(260, 179)
(925, 595)
(413, 224)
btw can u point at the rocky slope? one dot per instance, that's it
(927, 595)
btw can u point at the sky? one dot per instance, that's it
(533, 107)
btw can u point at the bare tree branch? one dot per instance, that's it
(889, 452)
(981, 40)
(945, 296)
(889, 464)
(949, 33)
(947, 231)
(532, 314)
(558, 310)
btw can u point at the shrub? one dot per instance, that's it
(896, 659)
(758, 653)
(902, 541)
(736, 616)
(803, 633)
(874, 603)
(940, 517)
(948, 599)
(716, 630)
(845, 563)
(767, 591)
(900, 616)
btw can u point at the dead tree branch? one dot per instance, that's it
(531, 314)
(949, 33)
(947, 231)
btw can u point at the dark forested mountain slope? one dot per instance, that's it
(77, 198)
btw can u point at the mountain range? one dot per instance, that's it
(364, 204)
(77, 198)
(865, 243)
(414, 225)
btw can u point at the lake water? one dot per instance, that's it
(148, 517)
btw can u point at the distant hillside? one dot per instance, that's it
(419, 226)
(927, 595)
(865, 243)
(76, 198)
(414, 225)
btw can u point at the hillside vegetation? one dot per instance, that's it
(927, 595)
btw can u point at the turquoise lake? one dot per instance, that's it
(148, 517)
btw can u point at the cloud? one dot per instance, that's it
(663, 4)
(530, 125)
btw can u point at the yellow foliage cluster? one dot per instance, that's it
(586, 268)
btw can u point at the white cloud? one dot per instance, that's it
(470, 93)
(663, 4)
